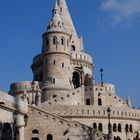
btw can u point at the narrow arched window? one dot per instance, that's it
(49, 137)
(131, 128)
(99, 102)
(114, 127)
(126, 128)
(54, 40)
(54, 62)
(87, 101)
(62, 41)
(62, 65)
(119, 128)
(94, 125)
(100, 127)
(53, 80)
(73, 48)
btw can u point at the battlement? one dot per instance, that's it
(82, 56)
(108, 88)
(20, 87)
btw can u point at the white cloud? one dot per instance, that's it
(122, 10)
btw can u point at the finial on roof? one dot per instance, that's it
(56, 15)
(56, 6)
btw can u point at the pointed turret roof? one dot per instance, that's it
(66, 18)
(56, 16)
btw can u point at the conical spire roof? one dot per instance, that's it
(65, 16)
(62, 22)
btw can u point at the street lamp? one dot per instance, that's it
(109, 124)
(102, 81)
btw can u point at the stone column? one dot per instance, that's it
(33, 98)
(21, 133)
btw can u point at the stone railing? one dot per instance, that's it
(95, 111)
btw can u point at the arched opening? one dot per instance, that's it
(114, 127)
(76, 79)
(49, 137)
(73, 48)
(100, 127)
(131, 128)
(62, 41)
(35, 131)
(7, 132)
(54, 40)
(126, 128)
(119, 128)
(99, 102)
(95, 126)
(87, 101)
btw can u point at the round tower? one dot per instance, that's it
(56, 57)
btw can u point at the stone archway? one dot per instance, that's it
(49, 137)
(76, 79)
(7, 132)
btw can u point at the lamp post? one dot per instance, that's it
(102, 81)
(109, 124)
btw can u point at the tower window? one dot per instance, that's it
(54, 62)
(73, 48)
(87, 101)
(99, 102)
(62, 41)
(119, 128)
(54, 40)
(53, 80)
(63, 65)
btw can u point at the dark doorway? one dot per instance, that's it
(7, 132)
(76, 79)
(49, 137)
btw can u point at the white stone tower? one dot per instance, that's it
(62, 65)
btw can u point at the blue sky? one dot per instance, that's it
(110, 29)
